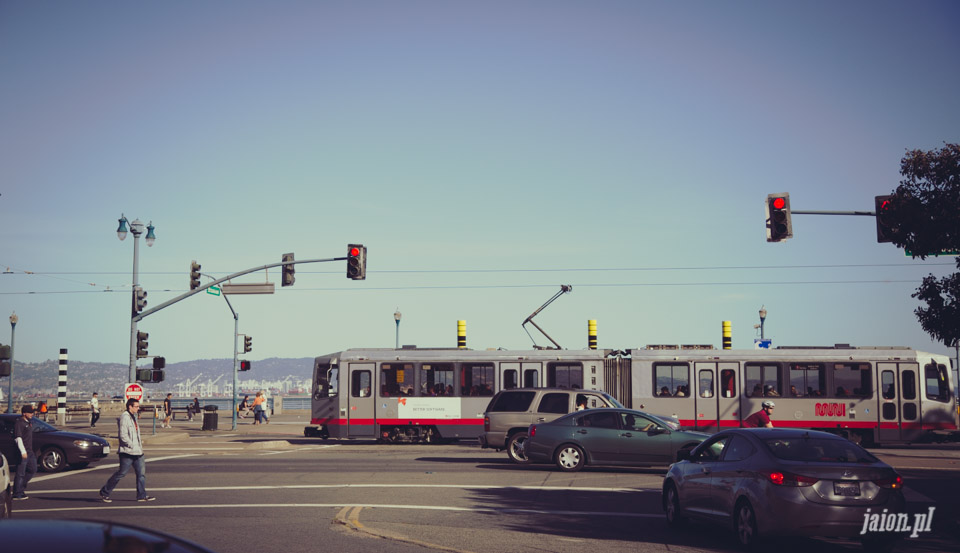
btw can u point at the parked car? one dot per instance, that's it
(89, 536)
(511, 412)
(783, 482)
(6, 488)
(55, 449)
(614, 436)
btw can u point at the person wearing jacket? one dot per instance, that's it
(131, 454)
(23, 434)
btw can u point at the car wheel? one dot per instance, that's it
(570, 458)
(52, 459)
(745, 525)
(516, 450)
(671, 506)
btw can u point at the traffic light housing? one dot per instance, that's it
(288, 270)
(142, 344)
(5, 356)
(140, 299)
(194, 275)
(244, 365)
(150, 375)
(356, 261)
(247, 344)
(884, 206)
(159, 362)
(779, 225)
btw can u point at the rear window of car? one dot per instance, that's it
(824, 450)
(511, 401)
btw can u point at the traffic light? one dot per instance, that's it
(150, 375)
(159, 362)
(5, 360)
(194, 275)
(356, 261)
(140, 299)
(142, 344)
(288, 270)
(244, 365)
(247, 344)
(779, 226)
(884, 207)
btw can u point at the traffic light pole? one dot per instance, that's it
(867, 213)
(140, 316)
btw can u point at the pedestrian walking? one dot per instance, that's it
(131, 454)
(23, 435)
(244, 406)
(94, 410)
(258, 408)
(167, 411)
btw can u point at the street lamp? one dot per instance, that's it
(396, 317)
(13, 327)
(136, 227)
(763, 316)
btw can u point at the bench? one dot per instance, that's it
(186, 411)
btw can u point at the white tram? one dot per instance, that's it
(869, 394)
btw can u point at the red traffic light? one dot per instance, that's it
(779, 203)
(354, 252)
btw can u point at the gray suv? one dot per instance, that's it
(510, 412)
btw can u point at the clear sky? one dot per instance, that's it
(484, 152)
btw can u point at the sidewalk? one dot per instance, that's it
(287, 425)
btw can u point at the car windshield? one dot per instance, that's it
(41, 426)
(824, 450)
(613, 401)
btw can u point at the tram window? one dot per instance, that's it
(806, 379)
(852, 380)
(888, 385)
(396, 379)
(728, 382)
(327, 381)
(762, 380)
(436, 379)
(360, 384)
(671, 380)
(909, 411)
(935, 380)
(569, 376)
(477, 379)
(531, 378)
(509, 379)
(908, 385)
(706, 383)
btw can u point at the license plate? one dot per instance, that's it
(846, 489)
(106, 450)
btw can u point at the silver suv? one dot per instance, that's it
(510, 412)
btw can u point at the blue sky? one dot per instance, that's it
(485, 153)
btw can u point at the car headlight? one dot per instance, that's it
(84, 443)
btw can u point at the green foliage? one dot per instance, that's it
(926, 220)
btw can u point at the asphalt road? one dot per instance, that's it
(268, 489)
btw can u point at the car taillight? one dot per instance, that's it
(893, 483)
(486, 424)
(532, 431)
(790, 479)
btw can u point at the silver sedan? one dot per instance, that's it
(784, 482)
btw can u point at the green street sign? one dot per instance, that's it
(908, 253)
(214, 290)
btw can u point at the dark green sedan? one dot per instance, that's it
(612, 437)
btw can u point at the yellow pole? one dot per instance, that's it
(462, 334)
(592, 333)
(727, 335)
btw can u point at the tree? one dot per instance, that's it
(925, 220)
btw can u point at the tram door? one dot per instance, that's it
(899, 407)
(717, 405)
(361, 402)
(705, 398)
(520, 375)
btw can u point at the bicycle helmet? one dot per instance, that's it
(769, 404)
